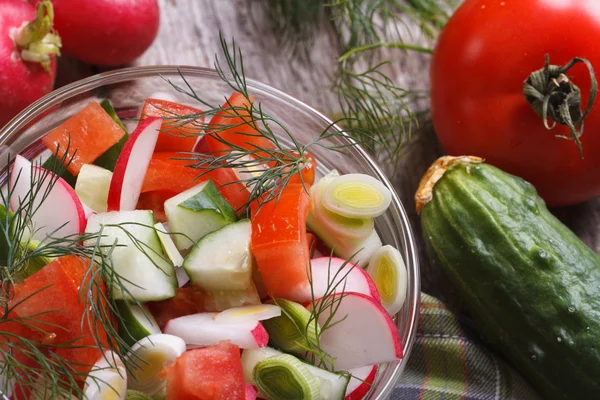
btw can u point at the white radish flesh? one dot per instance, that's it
(198, 330)
(131, 166)
(360, 333)
(389, 274)
(361, 382)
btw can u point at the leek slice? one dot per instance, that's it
(357, 196)
(285, 377)
(389, 274)
(293, 331)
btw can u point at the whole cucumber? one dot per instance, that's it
(531, 285)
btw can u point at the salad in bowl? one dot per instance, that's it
(217, 241)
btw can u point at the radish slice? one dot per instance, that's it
(148, 357)
(389, 273)
(357, 196)
(248, 314)
(107, 379)
(359, 333)
(198, 330)
(333, 275)
(71, 219)
(251, 392)
(361, 381)
(132, 164)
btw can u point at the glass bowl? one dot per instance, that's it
(128, 88)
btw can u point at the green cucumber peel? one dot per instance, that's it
(209, 198)
(108, 159)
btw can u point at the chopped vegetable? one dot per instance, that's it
(249, 313)
(279, 243)
(331, 275)
(136, 322)
(285, 377)
(389, 273)
(92, 186)
(295, 331)
(107, 379)
(86, 136)
(357, 196)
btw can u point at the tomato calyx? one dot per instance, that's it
(554, 96)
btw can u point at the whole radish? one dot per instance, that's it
(28, 48)
(106, 32)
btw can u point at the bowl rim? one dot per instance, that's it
(21, 120)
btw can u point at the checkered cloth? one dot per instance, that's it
(447, 363)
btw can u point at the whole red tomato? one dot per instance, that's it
(483, 56)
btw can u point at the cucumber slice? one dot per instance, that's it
(197, 212)
(136, 322)
(108, 159)
(92, 186)
(144, 271)
(221, 260)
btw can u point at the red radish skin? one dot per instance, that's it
(366, 335)
(251, 392)
(261, 337)
(132, 164)
(21, 82)
(72, 218)
(106, 32)
(361, 382)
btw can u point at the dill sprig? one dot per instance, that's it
(282, 158)
(368, 96)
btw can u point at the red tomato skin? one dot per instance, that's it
(210, 373)
(482, 58)
(106, 32)
(21, 82)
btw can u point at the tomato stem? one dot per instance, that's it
(554, 96)
(36, 39)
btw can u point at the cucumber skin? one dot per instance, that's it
(526, 278)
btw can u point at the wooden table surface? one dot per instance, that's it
(189, 35)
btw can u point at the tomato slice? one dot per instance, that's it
(213, 372)
(241, 134)
(87, 135)
(307, 174)
(167, 173)
(173, 136)
(155, 201)
(50, 298)
(279, 243)
(188, 300)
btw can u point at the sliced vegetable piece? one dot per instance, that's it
(294, 331)
(109, 158)
(135, 395)
(197, 212)
(92, 186)
(202, 330)
(167, 172)
(176, 134)
(50, 302)
(234, 127)
(147, 359)
(173, 254)
(285, 377)
(221, 300)
(361, 382)
(359, 331)
(213, 372)
(26, 181)
(279, 243)
(357, 196)
(107, 379)
(128, 176)
(389, 273)
(86, 136)
(187, 300)
(333, 275)
(136, 322)
(144, 273)
(212, 267)
(155, 201)
(259, 312)
(251, 392)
